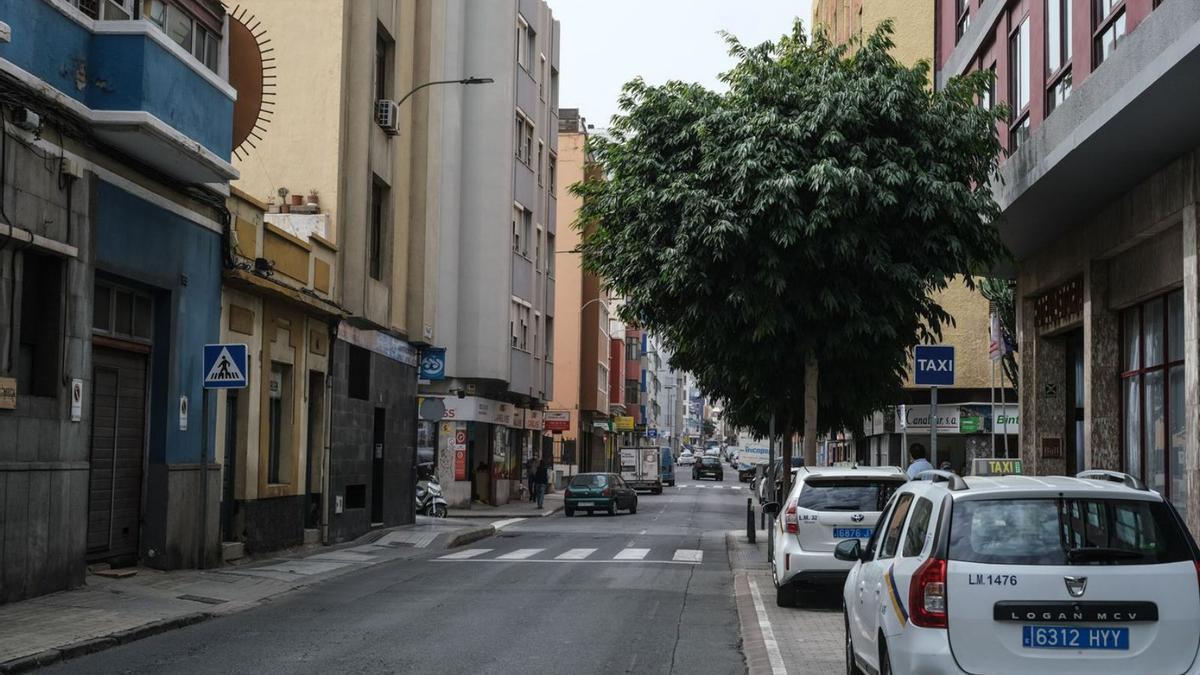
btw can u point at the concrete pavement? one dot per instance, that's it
(553, 503)
(107, 612)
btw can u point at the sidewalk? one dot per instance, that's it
(552, 502)
(106, 612)
(782, 640)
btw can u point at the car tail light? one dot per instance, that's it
(789, 519)
(567, 493)
(607, 492)
(927, 595)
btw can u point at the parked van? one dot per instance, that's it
(667, 474)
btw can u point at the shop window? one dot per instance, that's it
(427, 442)
(1153, 395)
(40, 343)
(279, 421)
(358, 373)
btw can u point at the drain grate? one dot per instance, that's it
(203, 599)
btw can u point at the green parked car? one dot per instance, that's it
(599, 492)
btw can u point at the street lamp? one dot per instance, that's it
(465, 80)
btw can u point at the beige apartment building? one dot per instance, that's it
(965, 416)
(581, 345)
(340, 163)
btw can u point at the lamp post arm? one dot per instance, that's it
(430, 84)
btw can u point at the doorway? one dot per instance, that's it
(116, 455)
(1073, 454)
(377, 469)
(228, 479)
(316, 447)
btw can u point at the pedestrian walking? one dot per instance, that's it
(918, 455)
(541, 479)
(530, 474)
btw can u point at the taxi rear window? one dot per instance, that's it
(846, 494)
(1056, 531)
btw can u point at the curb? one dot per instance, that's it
(93, 645)
(468, 535)
(503, 516)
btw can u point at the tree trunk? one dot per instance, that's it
(810, 410)
(785, 477)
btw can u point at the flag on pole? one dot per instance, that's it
(997, 345)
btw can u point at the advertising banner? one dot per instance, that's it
(556, 420)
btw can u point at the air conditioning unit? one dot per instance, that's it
(387, 116)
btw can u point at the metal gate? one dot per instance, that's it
(117, 454)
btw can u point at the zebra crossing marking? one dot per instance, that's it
(632, 554)
(575, 554)
(520, 554)
(466, 554)
(689, 555)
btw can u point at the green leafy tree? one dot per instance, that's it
(785, 238)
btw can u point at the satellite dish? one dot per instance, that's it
(252, 74)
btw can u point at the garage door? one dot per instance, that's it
(117, 452)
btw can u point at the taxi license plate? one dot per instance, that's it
(1074, 637)
(585, 503)
(852, 533)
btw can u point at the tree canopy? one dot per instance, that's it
(805, 216)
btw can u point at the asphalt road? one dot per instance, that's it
(644, 593)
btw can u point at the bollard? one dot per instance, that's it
(750, 519)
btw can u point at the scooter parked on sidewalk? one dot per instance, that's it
(429, 499)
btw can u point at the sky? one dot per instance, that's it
(606, 43)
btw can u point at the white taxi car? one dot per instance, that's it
(826, 505)
(1019, 574)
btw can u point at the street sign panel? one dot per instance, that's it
(433, 363)
(652, 433)
(225, 366)
(934, 366)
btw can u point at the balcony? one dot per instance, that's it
(138, 91)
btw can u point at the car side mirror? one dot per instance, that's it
(849, 550)
(771, 508)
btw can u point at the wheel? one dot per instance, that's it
(720, 479)
(439, 510)
(785, 595)
(658, 491)
(851, 665)
(612, 507)
(633, 508)
(885, 661)
(568, 512)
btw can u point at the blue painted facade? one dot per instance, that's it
(117, 72)
(140, 242)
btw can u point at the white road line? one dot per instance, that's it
(631, 554)
(564, 562)
(501, 524)
(520, 554)
(735, 487)
(773, 655)
(575, 554)
(466, 553)
(689, 555)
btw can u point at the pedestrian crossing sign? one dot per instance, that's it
(225, 366)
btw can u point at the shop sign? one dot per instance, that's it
(556, 420)
(970, 424)
(504, 414)
(381, 343)
(624, 424)
(433, 363)
(916, 419)
(460, 451)
(469, 409)
(533, 420)
(8, 393)
(961, 418)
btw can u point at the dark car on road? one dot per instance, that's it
(598, 492)
(745, 472)
(710, 467)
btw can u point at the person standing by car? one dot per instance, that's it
(918, 455)
(541, 478)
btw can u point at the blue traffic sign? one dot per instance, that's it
(934, 366)
(433, 363)
(652, 433)
(225, 366)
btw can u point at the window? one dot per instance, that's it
(548, 344)
(201, 39)
(358, 373)
(40, 343)
(122, 313)
(527, 143)
(891, 537)
(382, 72)
(1109, 20)
(633, 348)
(1018, 82)
(631, 391)
(601, 377)
(553, 168)
(155, 11)
(918, 527)
(537, 249)
(1153, 396)
(522, 224)
(845, 494)
(533, 344)
(279, 421)
(519, 324)
(526, 43)
(963, 20)
(1059, 532)
(554, 88)
(550, 255)
(988, 99)
(376, 239)
(541, 152)
(542, 76)
(1058, 52)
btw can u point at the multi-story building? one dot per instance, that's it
(581, 314)
(114, 161)
(494, 149)
(1098, 193)
(966, 417)
(350, 144)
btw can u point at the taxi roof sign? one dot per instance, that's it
(996, 466)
